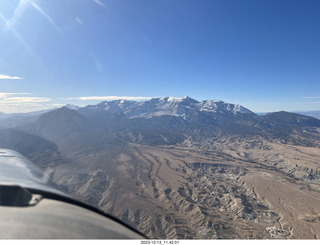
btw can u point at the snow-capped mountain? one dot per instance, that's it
(72, 107)
(166, 106)
(222, 107)
(166, 120)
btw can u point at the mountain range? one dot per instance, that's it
(172, 120)
(180, 168)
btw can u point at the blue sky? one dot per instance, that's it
(262, 54)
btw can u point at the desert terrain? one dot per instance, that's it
(265, 191)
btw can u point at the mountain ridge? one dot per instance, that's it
(163, 106)
(169, 120)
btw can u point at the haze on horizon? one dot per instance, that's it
(263, 55)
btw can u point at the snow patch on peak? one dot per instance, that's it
(216, 101)
(72, 107)
(176, 99)
(220, 106)
(172, 99)
(187, 99)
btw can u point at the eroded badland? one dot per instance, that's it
(238, 190)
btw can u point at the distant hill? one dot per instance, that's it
(60, 123)
(19, 119)
(70, 130)
(315, 114)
